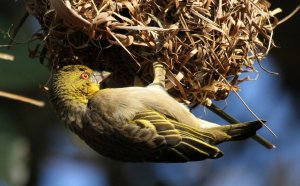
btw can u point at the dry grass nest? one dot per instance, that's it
(205, 45)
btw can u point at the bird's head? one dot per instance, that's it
(74, 85)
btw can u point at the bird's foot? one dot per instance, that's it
(159, 74)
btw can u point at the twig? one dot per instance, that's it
(232, 120)
(22, 98)
(248, 108)
(290, 15)
(16, 30)
(7, 57)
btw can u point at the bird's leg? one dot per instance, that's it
(159, 74)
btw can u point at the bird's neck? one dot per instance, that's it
(70, 107)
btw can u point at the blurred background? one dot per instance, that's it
(37, 150)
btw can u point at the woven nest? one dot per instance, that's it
(205, 45)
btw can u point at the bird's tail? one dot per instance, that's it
(236, 132)
(199, 144)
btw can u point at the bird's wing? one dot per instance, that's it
(169, 140)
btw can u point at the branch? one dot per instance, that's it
(22, 98)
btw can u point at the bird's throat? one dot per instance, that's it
(70, 107)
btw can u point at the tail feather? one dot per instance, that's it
(241, 131)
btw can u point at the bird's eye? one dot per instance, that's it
(85, 75)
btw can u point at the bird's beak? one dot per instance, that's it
(98, 77)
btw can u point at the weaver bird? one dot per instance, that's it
(136, 124)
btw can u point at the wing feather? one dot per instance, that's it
(170, 141)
